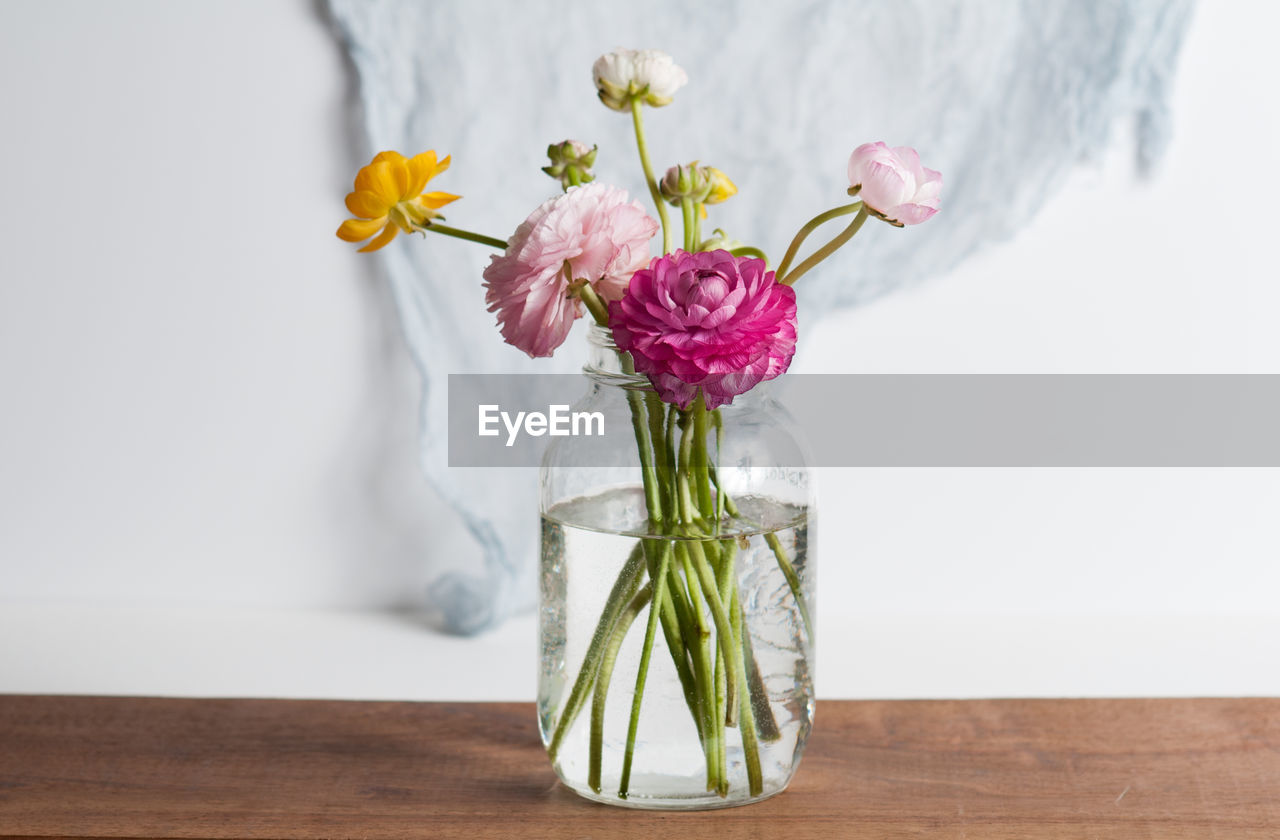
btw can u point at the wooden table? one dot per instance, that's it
(1132, 769)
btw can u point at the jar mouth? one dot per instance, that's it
(605, 366)
(605, 362)
(599, 336)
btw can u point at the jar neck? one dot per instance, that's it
(606, 367)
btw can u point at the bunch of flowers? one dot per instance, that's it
(705, 322)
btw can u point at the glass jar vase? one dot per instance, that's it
(676, 585)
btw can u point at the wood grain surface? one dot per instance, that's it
(992, 769)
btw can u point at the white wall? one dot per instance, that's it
(206, 399)
(206, 403)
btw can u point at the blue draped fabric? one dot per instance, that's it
(1003, 98)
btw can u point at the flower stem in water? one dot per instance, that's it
(655, 611)
(623, 590)
(605, 674)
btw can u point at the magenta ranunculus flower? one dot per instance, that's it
(602, 235)
(893, 183)
(708, 320)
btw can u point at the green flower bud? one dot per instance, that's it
(571, 162)
(681, 182)
(720, 241)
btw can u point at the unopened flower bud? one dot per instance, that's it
(720, 241)
(893, 184)
(681, 182)
(722, 189)
(571, 162)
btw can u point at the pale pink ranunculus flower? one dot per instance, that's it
(893, 183)
(706, 320)
(598, 231)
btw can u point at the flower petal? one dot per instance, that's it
(911, 161)
(388, 234)
(422, 168)
(366, 205)
(930, 186)
(434, 200)
(358, 230)
(884, 187)
(912, 214)
(378, 179)
(399, 172)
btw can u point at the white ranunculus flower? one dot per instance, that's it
(651, 75)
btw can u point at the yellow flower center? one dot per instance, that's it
(409, 215)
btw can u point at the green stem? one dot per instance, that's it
(748, 251)
(595, 757)
(726, 692)
(780, 554)
(793, 580)
(766, 723)
(638, 121)
(701, 475)
(656, 411)
(591, 300)
(651, 630)
(673, 621)
(720, 494)
(689, 214)
(750, 746)
(686, 506)
(698, 645)
(623, 590)
(809, 227)
(467, 235)
(646, 446)
(673, 414)
(722, 697)
(724, 635)
(828, 249)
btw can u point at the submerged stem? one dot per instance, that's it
(779, 553)
(623, 590)
(712, 724)
(655, 611)
(595, 757)
(724, 635)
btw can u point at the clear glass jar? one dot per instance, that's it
(706, 702)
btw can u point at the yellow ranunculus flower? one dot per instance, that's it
(722, 189)
(389, 197)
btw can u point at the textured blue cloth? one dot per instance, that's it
(1002, 98)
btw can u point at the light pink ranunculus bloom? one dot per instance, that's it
(598, 231)
(893, 183)
(706, 320)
